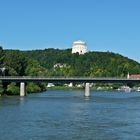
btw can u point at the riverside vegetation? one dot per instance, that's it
(60, 63)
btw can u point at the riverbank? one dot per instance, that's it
(77, 88)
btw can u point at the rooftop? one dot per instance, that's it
(79, 42)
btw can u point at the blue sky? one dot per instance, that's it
(106, 25)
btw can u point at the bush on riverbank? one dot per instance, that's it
(1, 88)
(34, 87)
(12, 89)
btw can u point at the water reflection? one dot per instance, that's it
(87, 98)
(22, 100)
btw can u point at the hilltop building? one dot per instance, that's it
(79, 47)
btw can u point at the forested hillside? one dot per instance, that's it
(41, 63)
(55, 62)
(92, 64)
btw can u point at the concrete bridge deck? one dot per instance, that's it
(67, 80)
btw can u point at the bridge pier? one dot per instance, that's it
(22, 89)
(87, 90)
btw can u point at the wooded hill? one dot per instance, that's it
(55, 62)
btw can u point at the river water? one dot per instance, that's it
(68, 115)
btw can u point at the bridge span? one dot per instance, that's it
(87, 80)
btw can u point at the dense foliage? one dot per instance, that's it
(55, 62)
(93, 64)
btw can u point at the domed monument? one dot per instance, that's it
(79, 47)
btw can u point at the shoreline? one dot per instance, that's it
(103, 89)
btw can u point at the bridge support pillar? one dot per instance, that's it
(87, 90)
(22, 89)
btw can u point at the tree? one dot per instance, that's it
(12, 89)
(35, 69)
(33, 87)
(1, 88)
(15, 60)
(1, 48)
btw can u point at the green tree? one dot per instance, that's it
(15, 60)
(35, 69)
(33, 87)
(12, 89)
(1, 88)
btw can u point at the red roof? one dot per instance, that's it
(134, 76)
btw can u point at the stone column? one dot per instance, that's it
(22, 89)
(87, 90)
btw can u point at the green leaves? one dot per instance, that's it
(1, 88)
(13, 89)
(15, 62)
(33, 87)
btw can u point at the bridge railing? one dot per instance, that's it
(41, 77)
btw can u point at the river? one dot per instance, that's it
(68, 115)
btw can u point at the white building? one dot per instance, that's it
(59, 65)
(50, 85)
(79, 46)
(70, 85)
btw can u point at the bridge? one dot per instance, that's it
(87, 80)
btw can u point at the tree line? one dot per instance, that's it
(55, 62)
